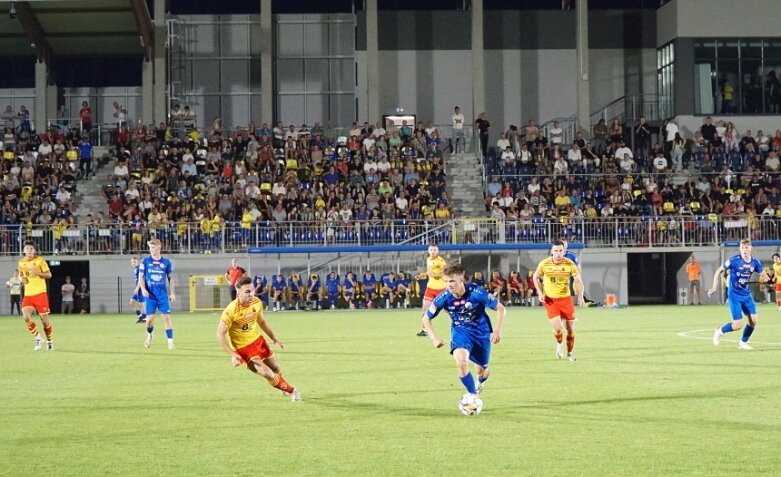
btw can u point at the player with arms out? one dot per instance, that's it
(137, 299)
(435, 266)
(239, 335)
(34, 271)
(740, 268)
(471, 333)
(551, 280)
(156, 279)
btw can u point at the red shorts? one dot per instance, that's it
(432, 293)
(257, 349)
(778, 287)
(40, 302)
(563, 307)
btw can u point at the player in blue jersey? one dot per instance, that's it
(388, 288)
(136, 298)
(260, 285)
(471, 333)
(155, 277)
(332, 289)
(313, 287)
(404, 287)
(296, 290)
(278, 292)
(348, 289)
(740, 268)
(369, 283)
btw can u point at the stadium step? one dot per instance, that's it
(90, 197)
(465, 185)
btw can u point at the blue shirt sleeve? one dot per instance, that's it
(483, 297)
(436, 306)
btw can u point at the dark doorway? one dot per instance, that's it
(76, 269)
(653, 278)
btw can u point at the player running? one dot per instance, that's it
(239, 335)
(471, 333)
(156, 279)
(740, 268)
(34, 271)
(435, 266)
(551, 279)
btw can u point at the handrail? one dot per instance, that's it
(410, 240)
(188, 238)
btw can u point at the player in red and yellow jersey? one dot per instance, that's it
(435, 266)
(551, 279)
(777, 275)
(239, 334)
(34, 271)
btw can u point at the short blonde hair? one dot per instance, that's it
(154, 241)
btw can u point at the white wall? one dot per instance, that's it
(723, 18)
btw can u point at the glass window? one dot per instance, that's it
(751, 48)
(772, 89)
(705, 49)
(772, 48)
(751, 87)
(727, 48)
(728, 81)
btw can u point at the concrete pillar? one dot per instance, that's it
(478, 68)
(581, 46)
(38, 109)
(51, 101)
(160, 97)
(372, 63)
(148, 93)
(266, 64)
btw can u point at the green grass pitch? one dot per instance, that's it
(649, 395)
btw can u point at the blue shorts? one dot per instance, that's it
(154, 303)
(478, 344)
(139, 297)
(349, 293)
(742, 305)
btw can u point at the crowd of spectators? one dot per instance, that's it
(39, 176)
(357, 184)
(716, 172)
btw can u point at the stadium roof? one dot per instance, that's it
(73, 28)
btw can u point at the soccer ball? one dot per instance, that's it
(470, 404)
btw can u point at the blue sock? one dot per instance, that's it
(138, 313)
(143, 316)
(482, 379)
(747, 333)
(727, 328)
(169, 333)
(469, 383)
(150, 329)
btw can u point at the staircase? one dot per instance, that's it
(89, 196)
(465, 185)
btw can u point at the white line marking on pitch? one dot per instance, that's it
(687, 334)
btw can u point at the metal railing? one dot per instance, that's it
(629, 108)
(189, 238)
